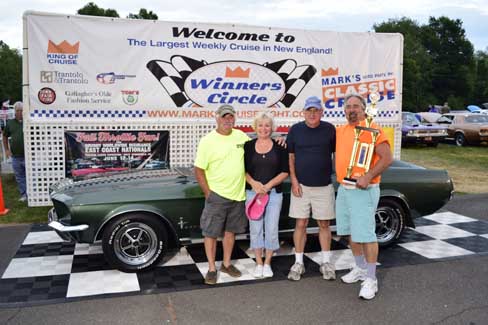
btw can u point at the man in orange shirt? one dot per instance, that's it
(356, 204)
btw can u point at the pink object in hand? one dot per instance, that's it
(255, 207)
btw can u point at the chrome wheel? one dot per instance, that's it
(389, 222)
(135, 243)
(460, 139)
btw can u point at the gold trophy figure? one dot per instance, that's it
(362, 153)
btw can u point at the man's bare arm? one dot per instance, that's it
(202, 181)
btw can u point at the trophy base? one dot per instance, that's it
(349, 181)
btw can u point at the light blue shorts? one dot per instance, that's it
(355, 211)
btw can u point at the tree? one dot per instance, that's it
(417, 64)
(10, 73)
(143, 14)
(452, 55)
(91, 9)
(481, 77)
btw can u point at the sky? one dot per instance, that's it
(340, 16)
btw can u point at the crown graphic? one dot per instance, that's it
(63, 47)
(237, 72)
(330, 72)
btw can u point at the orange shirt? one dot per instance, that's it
(344, 145)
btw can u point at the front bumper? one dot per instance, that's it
(68, 233)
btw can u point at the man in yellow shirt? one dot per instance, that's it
(219, 170)
(356, 204)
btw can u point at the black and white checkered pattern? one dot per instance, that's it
(46, 270)
(102, 113)
(341, 114)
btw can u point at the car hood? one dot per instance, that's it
(424, 127)
(122, 187)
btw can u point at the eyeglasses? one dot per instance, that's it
(313, 110)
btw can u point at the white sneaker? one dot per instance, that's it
(267, 271)
(328, 271)
(258, 271)
(296, 272)
(369, 288)
(355, 275)
(23, 198)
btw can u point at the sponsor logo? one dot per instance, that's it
(63, 77)
(130, 97)
(88, 97)
(244, 84)
(336, 86)
(239, 83)
(63, 53)
(46, 96)
(108, 78)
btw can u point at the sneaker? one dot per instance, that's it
(296, 272)
(369, 288)
(211, 277)
(230, 270)
(267, 271)
(355, 275)
(258, 271)
(23, 198)
(328, 271)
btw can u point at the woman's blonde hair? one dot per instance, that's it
(263, 116)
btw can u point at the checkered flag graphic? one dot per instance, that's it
(172, 76)
(295, 83)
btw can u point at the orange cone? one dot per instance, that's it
(3, 211)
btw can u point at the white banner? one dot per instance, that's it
(92, 67)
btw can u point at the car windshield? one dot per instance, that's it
(477, 119)
(410, 118)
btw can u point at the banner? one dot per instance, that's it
(82, 67)
(90, 152)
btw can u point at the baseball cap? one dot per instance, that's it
(255, 207)
(225, 109)
(313, 102)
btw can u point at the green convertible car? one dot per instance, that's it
(139, 215)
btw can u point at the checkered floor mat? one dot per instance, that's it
(46, 269)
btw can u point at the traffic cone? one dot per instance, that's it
(3, 211)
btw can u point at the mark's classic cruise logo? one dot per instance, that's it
(190, 82)
(63, 53)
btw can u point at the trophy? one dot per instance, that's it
(362, 153)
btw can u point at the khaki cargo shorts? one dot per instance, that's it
(318, 201)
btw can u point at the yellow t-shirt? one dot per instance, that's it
(222, 158)
(344, 144)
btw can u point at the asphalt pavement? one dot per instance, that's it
(451, 291)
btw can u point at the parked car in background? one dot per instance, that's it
(428, 117)
(413, 131)
(466, 128)
(139, 215)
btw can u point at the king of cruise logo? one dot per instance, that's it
(63, 53)
(234, 82)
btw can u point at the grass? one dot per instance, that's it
(467, 166)
(19, 212)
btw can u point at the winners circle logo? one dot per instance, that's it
(192, 83)
(236, 83)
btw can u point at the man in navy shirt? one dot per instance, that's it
(311, 144)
